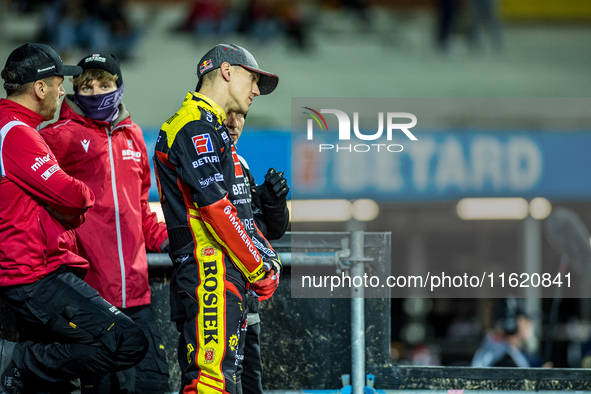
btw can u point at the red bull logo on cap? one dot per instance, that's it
(206, 65)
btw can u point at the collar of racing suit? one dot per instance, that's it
(69, 100)
(22, 113)
(208, 104)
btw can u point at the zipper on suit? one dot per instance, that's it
(117, 220)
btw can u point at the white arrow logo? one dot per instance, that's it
(85, 144)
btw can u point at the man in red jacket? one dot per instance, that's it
(95, 141)
(81, 333)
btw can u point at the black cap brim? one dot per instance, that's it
(70, 70)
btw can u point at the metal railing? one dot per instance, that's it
(344, 251)
(349, 251)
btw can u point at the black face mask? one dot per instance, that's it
(103, 107)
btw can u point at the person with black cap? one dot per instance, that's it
(504, 345)
(271, 216)
(77, 333)
(95, 141)
(218, 253)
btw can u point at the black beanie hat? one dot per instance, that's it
(107, 62)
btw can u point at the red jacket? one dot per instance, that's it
(32, 242)
(112, 161)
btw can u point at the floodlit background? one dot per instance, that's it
(377, 48)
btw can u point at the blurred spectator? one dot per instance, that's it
(90, 26)
(22, 6)
(211, 18)
(504, 345)
(294, 25)
(586, 361)
(360, 7)
(447, 11)
(123, 36)
(579, 334)
(189, 23)
(484, 16)
(265, 20)
(69, 24)
(424, 355)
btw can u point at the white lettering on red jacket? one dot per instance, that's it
(235, 222)
(39, 161)
(128, 174)
(34, 243)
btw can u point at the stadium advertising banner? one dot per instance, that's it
(445, 165)
(438, 149)
(440, 166)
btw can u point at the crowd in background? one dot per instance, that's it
(91, 25)
(264, 20)
(95, 26)
(73, 26)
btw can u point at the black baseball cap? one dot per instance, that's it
(32, 62)
(509, 307)
(107, 62)
(236, 56)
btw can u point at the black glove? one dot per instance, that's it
(274, 190)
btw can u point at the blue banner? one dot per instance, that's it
(439, 166)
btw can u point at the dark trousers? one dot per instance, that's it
(252, 365)
(77, 332)
(150, 376)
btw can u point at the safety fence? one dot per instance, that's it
(338, 341)
(307, 340)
